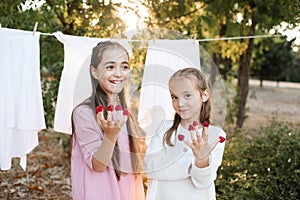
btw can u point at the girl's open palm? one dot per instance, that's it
(199, 145)
(109, 126)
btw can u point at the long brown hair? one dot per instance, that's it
(99, 97)
(199, 78)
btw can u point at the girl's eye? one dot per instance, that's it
(174, 97)
(188, 96)
(126, 67)
(110, 67)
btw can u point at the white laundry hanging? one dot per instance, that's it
(163, 58)
(75, 83)
(21, 103)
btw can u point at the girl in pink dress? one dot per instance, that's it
(106, 159)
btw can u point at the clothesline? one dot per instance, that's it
(238, 37)
(204, 40)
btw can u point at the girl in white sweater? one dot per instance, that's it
(183, 156)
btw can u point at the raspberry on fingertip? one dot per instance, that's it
(221, 139)
(126, 112)
(99, 109)
(110, 107)
(118, 107)
(205, 124)
(180, 137)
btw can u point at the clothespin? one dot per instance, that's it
(34, 28)
(154, 38)
(195, 37)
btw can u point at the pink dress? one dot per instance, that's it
(88, 184)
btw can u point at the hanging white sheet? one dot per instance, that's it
(163, 58)
(21, 103)
(75, 84)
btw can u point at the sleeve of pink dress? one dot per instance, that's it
(88, 135)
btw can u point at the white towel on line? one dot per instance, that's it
(163, 58)
(21, 103)
(75, 84)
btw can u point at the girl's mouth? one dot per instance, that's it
(182, 111)
(115, 82)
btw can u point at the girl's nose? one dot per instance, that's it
(181, 101)
(118, 71)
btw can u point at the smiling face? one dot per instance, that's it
(113, 71)
(186, 99)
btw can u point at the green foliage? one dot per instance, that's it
(294, 71)
(275, 61)
(51, 68)
(266, 166)
(231, 102)
(171, 13)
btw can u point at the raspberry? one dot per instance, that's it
(110, 107)
(195, 123)
(126, 112)
(180, 137)
(191, 128)
(118, 107)
(221, 139)
(99, 109)
(205, 124)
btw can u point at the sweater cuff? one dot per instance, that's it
(199, 173)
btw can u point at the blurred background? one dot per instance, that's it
(255, 46)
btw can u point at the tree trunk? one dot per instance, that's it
(261, 82)
(244, 73)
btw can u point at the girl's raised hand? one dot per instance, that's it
(109, 126)
(199, 145)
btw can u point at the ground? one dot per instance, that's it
(47, 175)
(270, 101)
(48, 166)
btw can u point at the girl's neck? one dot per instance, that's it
(114, 99)
(185, 124)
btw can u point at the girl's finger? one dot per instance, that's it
(99, 113)
(198, 135)
(213, 146)
(103, 123)
(204, 134)
(99, 117)
(192, 129)
(199, 139)
(119, 111)
(124, 118)
(110, 109)
(122, 121)
(188, 143)
(109, 116)
(98, 121)
(220, 139)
